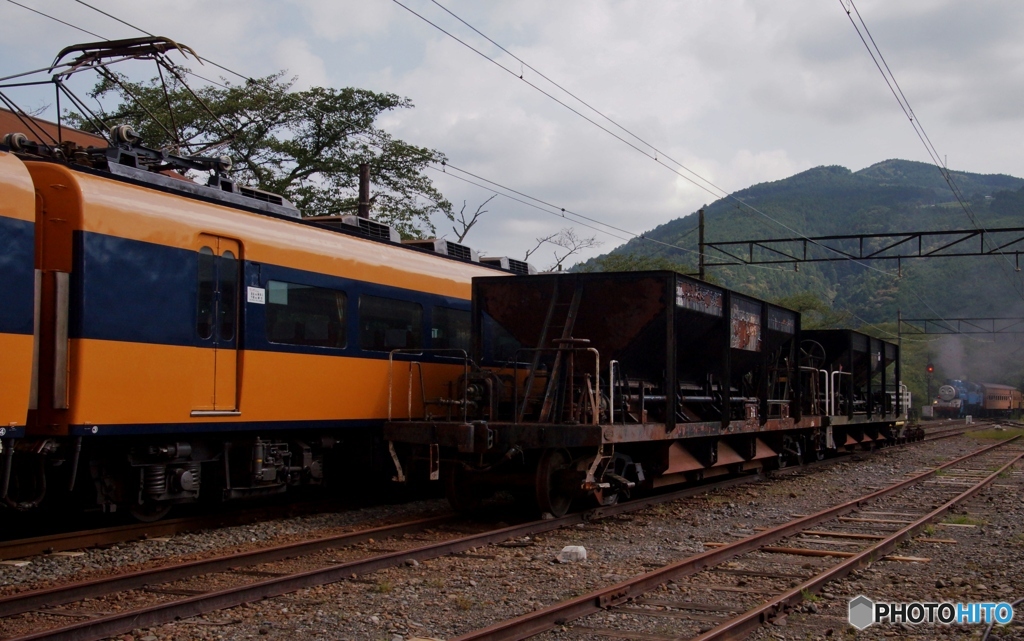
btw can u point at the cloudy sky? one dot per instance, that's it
(738, 91)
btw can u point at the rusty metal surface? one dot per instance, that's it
(739, 627)
(536, 435)
(26, 601)
(527, 625)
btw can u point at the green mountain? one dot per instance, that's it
(889, 197)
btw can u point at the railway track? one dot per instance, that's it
(64, 541)
(115, 535)
(251, 584)
(589, 614)
(101, 624)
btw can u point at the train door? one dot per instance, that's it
(217, 298)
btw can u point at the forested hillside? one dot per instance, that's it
(891, 196)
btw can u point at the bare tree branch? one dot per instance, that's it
(540, 243)
(467, 225)
(569, 241)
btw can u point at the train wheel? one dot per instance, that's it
(149, 511)
(551, 492)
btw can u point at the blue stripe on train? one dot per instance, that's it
(134, 291)
(17, 276)
(127, 290)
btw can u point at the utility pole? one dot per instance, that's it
(364, 190)
(899, 361)
(700, 233)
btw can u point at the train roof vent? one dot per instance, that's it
(462, 251)
(445, 247)
(519, 267)
(367, 227)
(259, 194)
(435, 245)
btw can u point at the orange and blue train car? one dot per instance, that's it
(17, 298)
(206, 341)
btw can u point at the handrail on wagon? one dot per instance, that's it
(594, 401)
(419, 367)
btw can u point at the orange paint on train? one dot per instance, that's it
(15, 378)
(16, 350)
(124, 383)
(139, 383)
(19, 201)
(140, 213)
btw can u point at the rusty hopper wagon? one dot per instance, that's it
(589, 386)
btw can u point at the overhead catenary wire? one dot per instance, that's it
(578, 216)
(554, 210)
(55, 19)
(894, 87)
(655, 157)
(721, 193)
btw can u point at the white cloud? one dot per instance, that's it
(295, 56)
(739, 91)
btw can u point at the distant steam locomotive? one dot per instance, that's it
(957, 399)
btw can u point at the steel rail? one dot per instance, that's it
(77, 540)
(124, 622)
(740, 626)
(102, 627)
(59, 595)
(530, 624)
(81, 539)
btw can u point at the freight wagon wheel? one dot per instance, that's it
(149, 511)
(553, 496)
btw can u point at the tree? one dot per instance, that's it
(569, 241)
(634, 262)
(815, 313)
(467, 224)
(304, 145)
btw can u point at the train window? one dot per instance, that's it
(227, 273)
(305, 315)
(205, 294)
(450, 329)
(386, 324)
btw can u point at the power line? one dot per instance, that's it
(562, 212)
(721, 193)
(643, 237)
(654, 157)
(57, 20)
(915, 122)
(373, 143)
